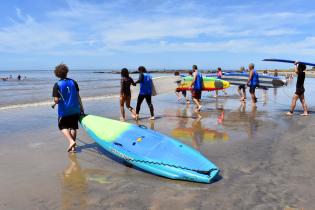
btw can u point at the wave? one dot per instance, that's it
(45, 103)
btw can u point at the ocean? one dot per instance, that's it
(36, 88)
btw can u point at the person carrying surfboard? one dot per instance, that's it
(145, 81)
(125, 94)
(219, 76)
(177, 92)
(299, 92)
(252, 82)
(196, 85)
(66, 95)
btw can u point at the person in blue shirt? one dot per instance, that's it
(66, 95)
(145, 81)
(196, 86)
(252, 82)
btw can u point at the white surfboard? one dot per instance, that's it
(163, 84)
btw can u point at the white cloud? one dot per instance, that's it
(170, 26)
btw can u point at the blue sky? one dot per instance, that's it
(95, 34)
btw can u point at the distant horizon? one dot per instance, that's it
(132, 70)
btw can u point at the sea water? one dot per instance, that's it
(36, 88)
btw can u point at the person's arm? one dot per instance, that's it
(56, 101)
(296, 63)
(194, 79)
(81, 105)
(141, 77)
(251, 73)
(132, 82)
(55, 95)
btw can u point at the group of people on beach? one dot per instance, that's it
(70, 107)
(19, 77)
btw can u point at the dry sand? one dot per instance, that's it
(266, 159)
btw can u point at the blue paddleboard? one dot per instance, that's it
(288, 61)
(150, 150)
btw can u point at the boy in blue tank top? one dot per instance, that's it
(66, 95)
(196, 86)
(252, 82)
(145, 81)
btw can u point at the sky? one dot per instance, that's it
(112, 34)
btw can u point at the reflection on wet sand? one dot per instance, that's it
(196, 131)
(75, 182)
(74, 185)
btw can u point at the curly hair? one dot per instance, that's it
(61, 71)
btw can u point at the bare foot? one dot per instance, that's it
(71, 146)
(289, 113)
(137, 117)
(122, 119)
(304, 114)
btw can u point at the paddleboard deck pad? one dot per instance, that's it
(264, 81)
(209, 83)
(149, 150)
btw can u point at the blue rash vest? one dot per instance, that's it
(254, 80)
(146, 85)
(198, 82)
(69, 101)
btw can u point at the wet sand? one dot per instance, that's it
(265, 157)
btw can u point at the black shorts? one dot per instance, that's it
(68, 122)
(252, 89)
(196, 94)
(299, 91)
(240, 87)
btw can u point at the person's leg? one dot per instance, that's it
(252, 93)
(122, 110)
(178, 95)
(239, 91)
(184, 93)
(67, 134)
(128, 99)
(293, 104)
(302, 99)
(216, 93)
(199, 102)
(149, 102)
(186, 97)
(139, 102)
(73, 133)
(244, 93)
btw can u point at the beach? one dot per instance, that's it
(265, 157)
